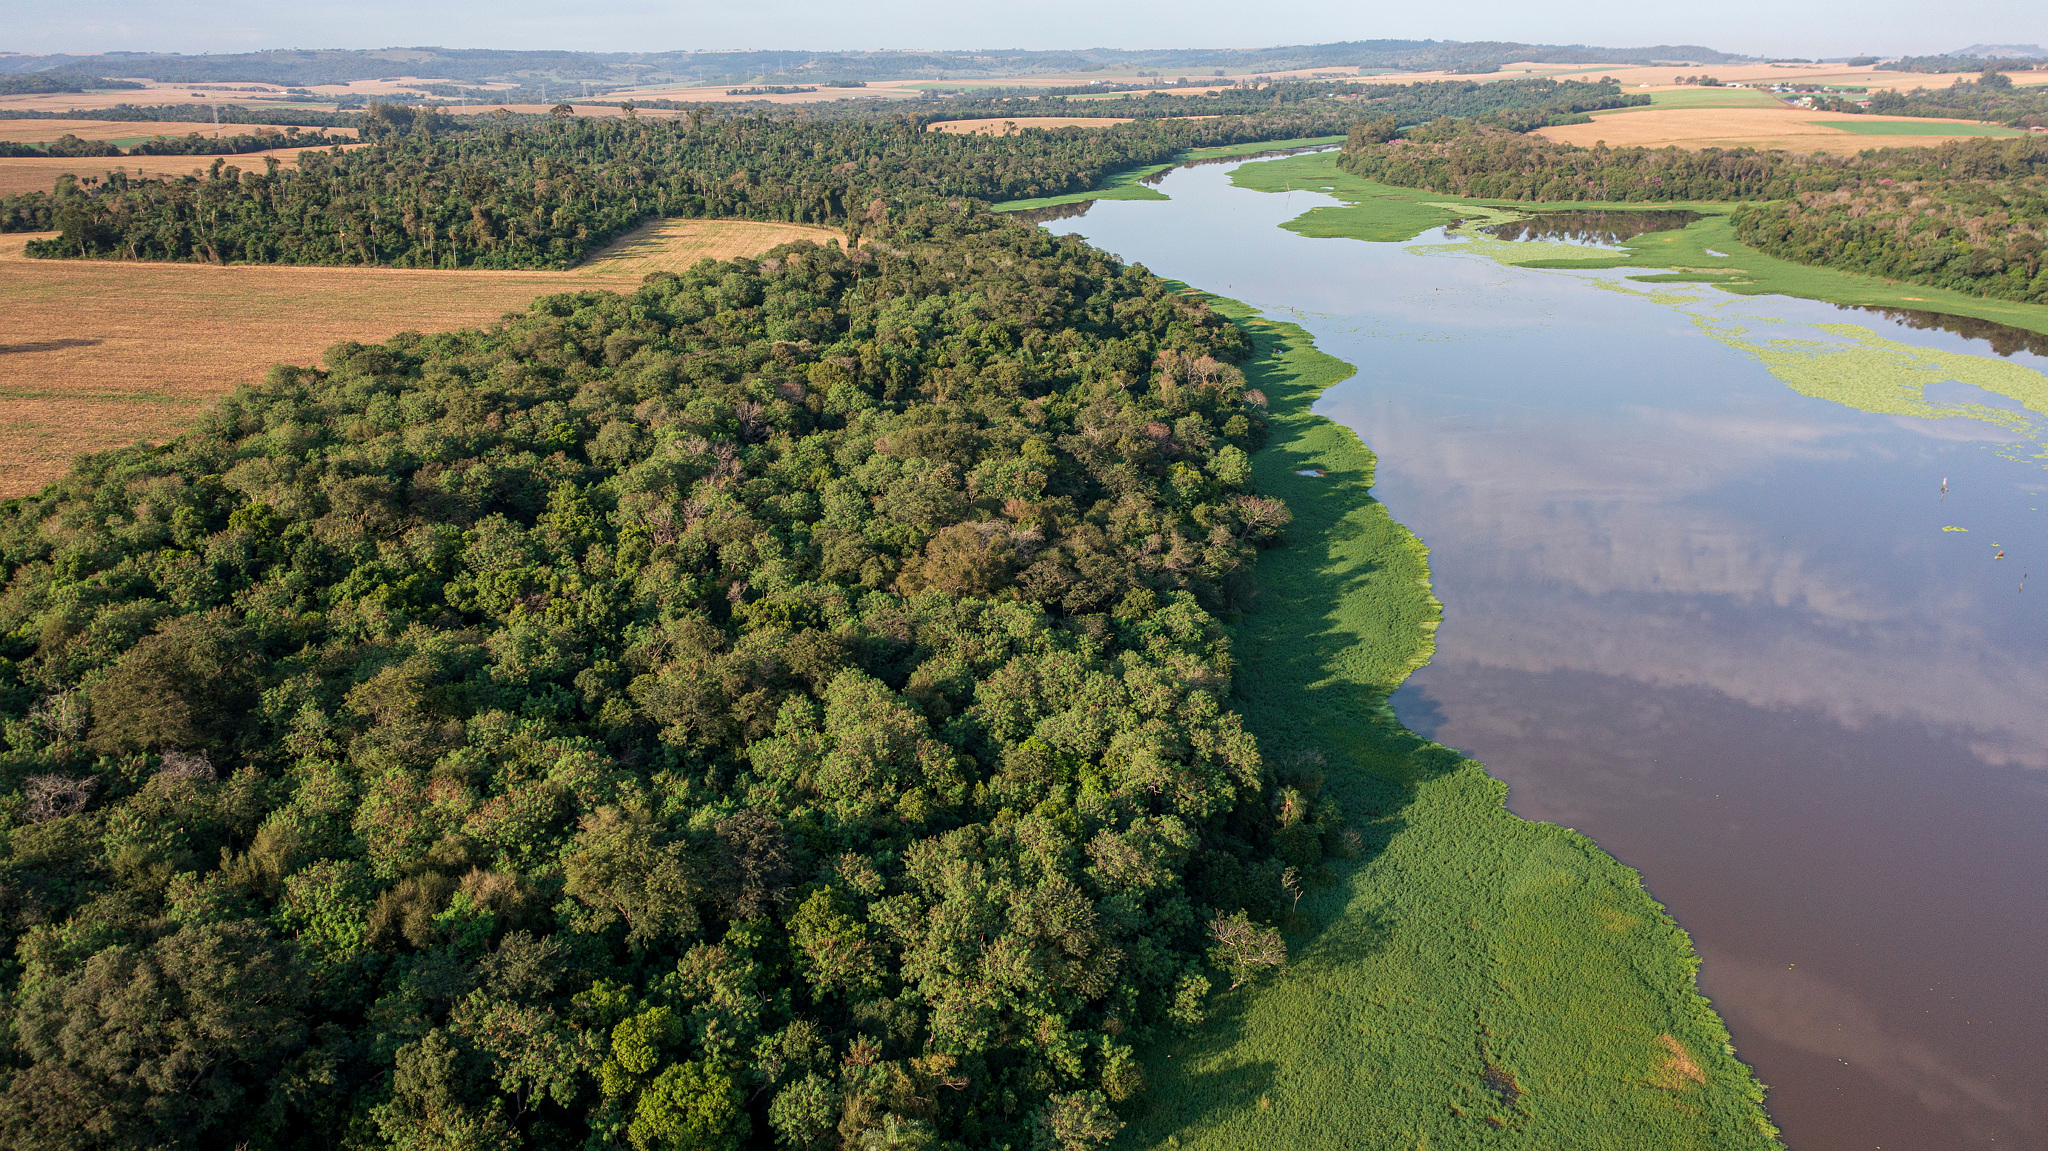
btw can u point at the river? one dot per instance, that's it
(1723, 591)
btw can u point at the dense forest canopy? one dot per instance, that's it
(1969, 215)
(522, 192)
(783, 705)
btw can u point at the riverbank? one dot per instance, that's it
(1384, 213)
(1131, 185)
(1473, 975)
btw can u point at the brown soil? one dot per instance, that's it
(1792, 129)
(1676, 1068)
(103, 353)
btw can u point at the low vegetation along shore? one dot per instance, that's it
(1475, 979)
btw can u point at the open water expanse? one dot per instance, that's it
(1700, 604)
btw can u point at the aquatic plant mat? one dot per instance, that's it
(1703, 252)
(1473, 979)
(1135, 184)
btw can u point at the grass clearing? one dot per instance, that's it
(1476, 979)
(673, 245)
(104, 353)
(1702, 98)
(1944, 128)
(1381, 212)
(1131, 185)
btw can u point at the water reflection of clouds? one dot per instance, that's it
(1794, 1008)
(1559, 553)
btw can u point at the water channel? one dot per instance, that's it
(1723, 591)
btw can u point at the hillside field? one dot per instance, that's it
(97, 354)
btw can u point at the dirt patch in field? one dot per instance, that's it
(35, 174)
(104, 353)
(1676, 1069)
(1792, 129)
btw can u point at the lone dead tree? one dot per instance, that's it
(1243, 947)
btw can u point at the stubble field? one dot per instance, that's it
(98, 354)
(1792, 129)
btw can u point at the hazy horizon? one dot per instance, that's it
(1749, 27)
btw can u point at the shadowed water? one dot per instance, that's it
(1700, 604)
(1593, 227)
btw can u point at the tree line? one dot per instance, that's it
(58, 80)
(184, 113)
(190, 144)
(1970, 215)
(786, 704)
(513, 194)
(1991, 96)
(1532, 99)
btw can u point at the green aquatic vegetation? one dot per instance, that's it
(1474, 241)
(1874, 374)
(1378, 212)
(1131, 185)
(1473, 978)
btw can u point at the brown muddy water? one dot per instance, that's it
(1701, 604)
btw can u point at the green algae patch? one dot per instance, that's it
(1131, 185)
(1861, 369)
(1378, 212)
(1473, 978)
(1874, 374)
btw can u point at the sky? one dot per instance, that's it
(1756, 27)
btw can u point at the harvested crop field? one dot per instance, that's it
(672, 245)
(1791, 129)
(103, 353)
(20, 174)
(42, 131)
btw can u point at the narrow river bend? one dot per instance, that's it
(1707, 601)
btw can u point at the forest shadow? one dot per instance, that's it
(1314, 676)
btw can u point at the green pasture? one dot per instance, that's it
(1917, 128)
(1706, 98)
(1381, 212)
(1130, 185)
(1474, 980)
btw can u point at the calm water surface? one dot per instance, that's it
(1716, 624)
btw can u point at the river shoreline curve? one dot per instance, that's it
(1473, 975)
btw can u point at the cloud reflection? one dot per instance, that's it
(1559, 550)
(1809, 1014)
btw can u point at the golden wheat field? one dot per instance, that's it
(96, 354)
(39, 131)
(1792, 129)
(20, 174)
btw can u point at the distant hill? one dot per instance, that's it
(334, 66)
(2000, 51)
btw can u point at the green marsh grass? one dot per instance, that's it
(1474, 979)
(1131, 186)
(1924, 128)
(1383, 213)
